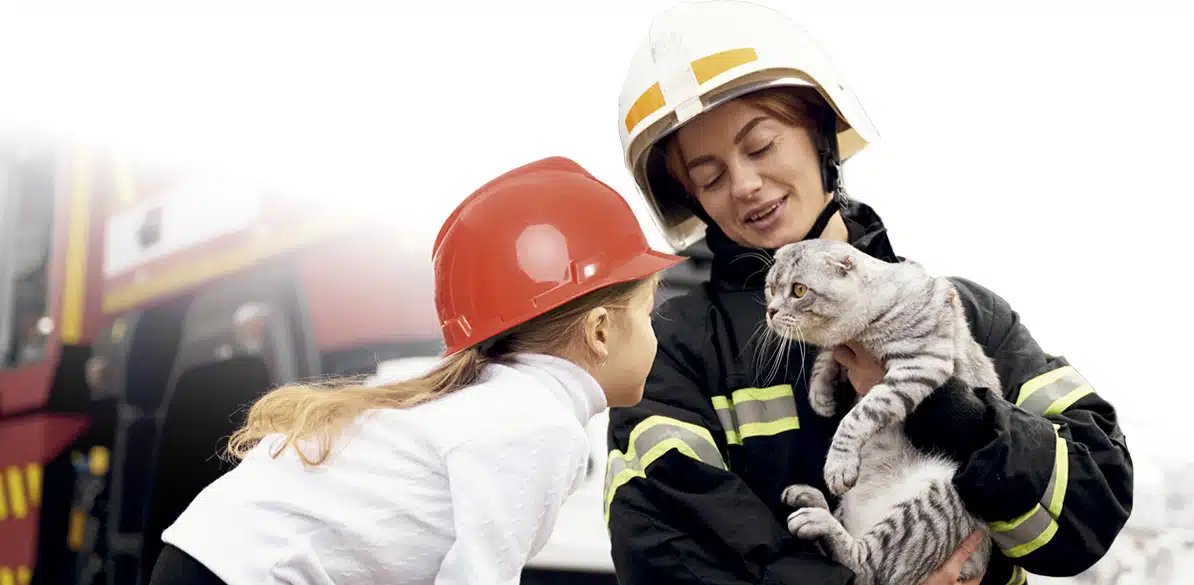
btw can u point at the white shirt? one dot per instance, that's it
(463, 489)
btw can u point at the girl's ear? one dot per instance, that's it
(596, 331)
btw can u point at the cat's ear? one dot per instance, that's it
(843, 264)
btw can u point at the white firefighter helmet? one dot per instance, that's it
(698, 55)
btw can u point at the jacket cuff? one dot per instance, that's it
(951, 421)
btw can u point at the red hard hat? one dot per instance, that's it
(529, 241)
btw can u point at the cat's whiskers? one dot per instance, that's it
(765, 259)
(753, 255)
(765, 336)
(781, 351)
(803, 350)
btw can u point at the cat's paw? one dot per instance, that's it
(821, 398)
(822, 388)
(811, 523)
(841, 472)
(803, 496)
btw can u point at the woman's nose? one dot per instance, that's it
(746, 182)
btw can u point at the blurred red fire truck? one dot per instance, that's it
(141, 307)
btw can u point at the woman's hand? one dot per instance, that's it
(950, 572)
(863, 370)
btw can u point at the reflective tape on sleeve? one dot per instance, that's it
(650, 440)
(1023, 535)
(1053, 391)
(1019, 577)
(757, 412)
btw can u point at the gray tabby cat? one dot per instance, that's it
(900, 517)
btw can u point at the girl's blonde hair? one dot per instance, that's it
(319, 411)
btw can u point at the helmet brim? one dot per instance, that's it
(648, 263)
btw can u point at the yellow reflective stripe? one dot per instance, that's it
(97, 462)
(1034, 529)
(703, 70)
(16, 492)
(24, 575)
(74, 280)
(649, 440)
(1061, 404)
(1053, 392)
(756, 412)
(769, 393)
(648, 103)
(19, 493)
(711, 66)
(767, 429)
(76, 530)
(725, 414)
(33, 479)
(1031, 386)
(1019, 577)
(1059, 480)
(6, 576)
(1042, 539)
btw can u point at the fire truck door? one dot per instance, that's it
(138, 370)
(239, 339)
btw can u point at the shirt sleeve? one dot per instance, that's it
(506, 495)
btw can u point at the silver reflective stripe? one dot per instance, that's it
(1054, 497)
(728, 418)
(1023, 535)
(648, 442)
(1019, 577)
(1053, 391)
(757, 412)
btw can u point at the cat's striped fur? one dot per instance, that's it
(900, 516)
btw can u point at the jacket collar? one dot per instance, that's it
(737, 267)
(574, 387)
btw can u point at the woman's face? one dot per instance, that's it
(758, 178)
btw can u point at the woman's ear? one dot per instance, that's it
(597, 331)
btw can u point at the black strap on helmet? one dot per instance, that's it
(827, 149)
(831, 167)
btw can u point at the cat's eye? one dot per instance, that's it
(798, 290)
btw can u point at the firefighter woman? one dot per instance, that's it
(544, 287)
(734, 126)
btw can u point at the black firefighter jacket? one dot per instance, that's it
(692, 488)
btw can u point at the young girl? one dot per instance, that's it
(544, 288)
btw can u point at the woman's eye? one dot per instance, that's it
(763, 150)
(798, 290)
(710, 184)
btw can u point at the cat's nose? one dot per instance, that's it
(771, 311)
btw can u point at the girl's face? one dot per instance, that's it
(758, 178)
(631, 345)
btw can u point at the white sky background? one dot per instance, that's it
(1039, 148)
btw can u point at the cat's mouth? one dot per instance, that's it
(761, 216)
